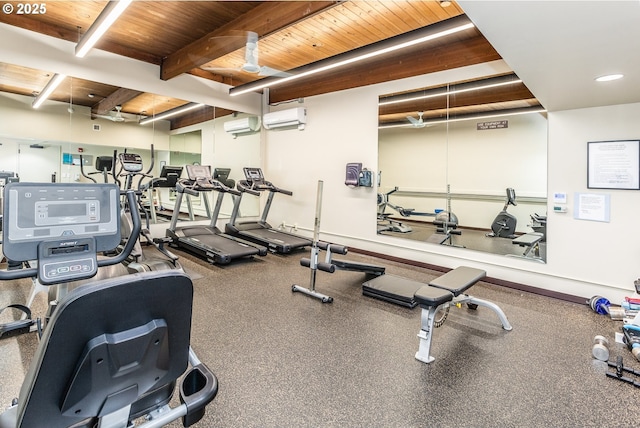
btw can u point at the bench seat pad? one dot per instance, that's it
(393, 289)
(459, 279)
(427, 296)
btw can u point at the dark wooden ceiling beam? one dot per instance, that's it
(227, 80)
(28, 23)
(421, 60)
(493, 95)
(73, 36)
(117, 98)
(198, 116)
(263, 19)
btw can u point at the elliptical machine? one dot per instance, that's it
(131, 167)
(504, 225)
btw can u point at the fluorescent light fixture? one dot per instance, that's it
(412, 38)
(457, 89)
(473, 116)
(48, 89)
(609, 77)
(107, 17)
(170, 113)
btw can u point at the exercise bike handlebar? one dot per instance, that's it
(6, 275)
(135, 232)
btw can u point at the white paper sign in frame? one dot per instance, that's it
(613, 164)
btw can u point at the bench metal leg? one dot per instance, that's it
(463, 298)
(427, 320)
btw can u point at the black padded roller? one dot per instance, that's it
(325, 267)
(338, 249)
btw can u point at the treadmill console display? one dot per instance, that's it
(34, 213)
(195, 172)
(253, 175)
(221, 174)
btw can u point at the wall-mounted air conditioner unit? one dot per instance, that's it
(242, 126)
(286, 118)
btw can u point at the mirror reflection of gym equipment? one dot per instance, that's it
(461, 162)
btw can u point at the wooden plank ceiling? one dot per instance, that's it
(208, 39)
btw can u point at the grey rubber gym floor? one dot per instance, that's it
(284, 359)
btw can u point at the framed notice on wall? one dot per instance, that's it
(613, 164)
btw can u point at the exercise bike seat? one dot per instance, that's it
(117, 345)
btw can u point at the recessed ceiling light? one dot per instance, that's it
(609, 77)
(445, 3)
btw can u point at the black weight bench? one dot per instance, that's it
(392, 289)
(443, 292)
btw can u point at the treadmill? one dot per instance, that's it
(207, 242)
(260, 231)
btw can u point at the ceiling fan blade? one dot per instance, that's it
(417, 123)
(413, 120)
(217, 69)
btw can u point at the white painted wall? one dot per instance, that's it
(584, 258)
(602, 253)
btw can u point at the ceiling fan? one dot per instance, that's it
(417, 123)
(116, 116)
(251, 62)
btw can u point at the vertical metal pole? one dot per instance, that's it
(313, 264)
(316, 225)
(316, 235)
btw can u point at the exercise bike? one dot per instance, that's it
(113, 350)
(504, 225)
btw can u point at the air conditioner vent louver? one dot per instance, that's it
(286, 118)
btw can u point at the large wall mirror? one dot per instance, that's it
(465, 164)
(66, 135)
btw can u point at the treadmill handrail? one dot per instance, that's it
(221, 187)
(255, 187)
(244, 187)
(186, 186)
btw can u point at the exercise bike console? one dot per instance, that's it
(39, 212)
(62, 226)
(66, 260)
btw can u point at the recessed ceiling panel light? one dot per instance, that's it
(609, 77)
